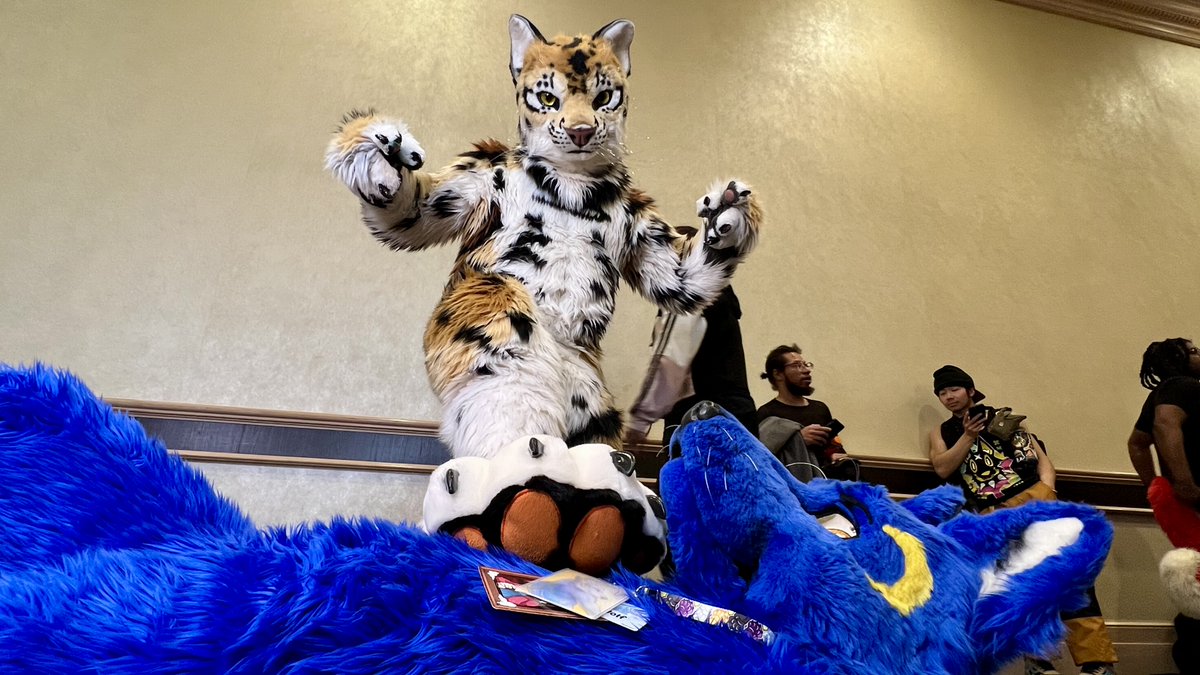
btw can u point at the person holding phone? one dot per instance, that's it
(991, 470)
(790, 375)
(996, 473)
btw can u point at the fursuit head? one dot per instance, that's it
(118, 557)
(547, 230)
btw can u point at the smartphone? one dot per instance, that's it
(835, 428)
(977, 410)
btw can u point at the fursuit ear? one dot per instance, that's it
(619, 34)
(1035, 561)
(523, 33)
(936, 506)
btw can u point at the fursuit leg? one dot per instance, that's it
(521, 396)
(592, 417)
(515, 484)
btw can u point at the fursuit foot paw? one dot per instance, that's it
(579, 507)
(731, 216)
(372, 156)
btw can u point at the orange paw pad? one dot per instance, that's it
(473, 537)
(530, 526)
(597, 541)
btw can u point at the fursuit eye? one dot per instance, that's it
(724, 229)
(547, 99)
(602, 99)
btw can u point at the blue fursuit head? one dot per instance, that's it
(117, 557)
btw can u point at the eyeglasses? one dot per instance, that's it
(799, 364)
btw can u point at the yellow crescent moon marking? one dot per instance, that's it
(915, 588)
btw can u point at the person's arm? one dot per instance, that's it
(1139, 455)
(1046, 472)
(947, 460)
(1168, 437)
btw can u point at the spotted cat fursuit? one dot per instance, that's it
(547, 229)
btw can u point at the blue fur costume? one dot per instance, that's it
(117, 557)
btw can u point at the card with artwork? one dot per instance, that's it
(501, 587)
(577, 592)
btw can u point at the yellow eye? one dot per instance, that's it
(547, 99)
(602, 99)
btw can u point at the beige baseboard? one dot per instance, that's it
(1143, 647)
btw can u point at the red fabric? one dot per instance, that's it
(1180, 522)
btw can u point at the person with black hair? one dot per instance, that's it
(1003, 465)
(990, 469)
(1170, 422)
(790, 375)
(1170, 417)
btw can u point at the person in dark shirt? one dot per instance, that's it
(791, 378)
(719, 368)
(1170, 417)
(992, 471)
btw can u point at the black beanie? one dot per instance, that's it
(953, 376)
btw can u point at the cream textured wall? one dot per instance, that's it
(955, 181)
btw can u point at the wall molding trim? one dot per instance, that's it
(1173, 20)
(211, 457)
(254, 436)
(287, 418)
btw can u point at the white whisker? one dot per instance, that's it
(787, 466)
(666, 446)
(751, 461)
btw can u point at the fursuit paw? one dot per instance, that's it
(373, 156)
(731, 216)
(555, 506)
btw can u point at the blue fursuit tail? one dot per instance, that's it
(76, 475)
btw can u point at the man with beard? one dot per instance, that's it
(791, 378)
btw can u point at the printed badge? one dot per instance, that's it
(501, 587)
(576, 592)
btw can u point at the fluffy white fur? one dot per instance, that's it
(1179, 569)
(1040, 540)
(478, 480)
